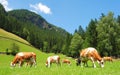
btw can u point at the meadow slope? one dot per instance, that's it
(64, 69)
(11, 36)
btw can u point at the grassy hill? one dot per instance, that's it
(7, 38)
(9, 35)
(64, 69)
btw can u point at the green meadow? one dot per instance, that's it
(111, 68)
(64, 69)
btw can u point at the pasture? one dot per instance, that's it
(64, 69)
(5, 60)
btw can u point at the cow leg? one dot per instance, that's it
(34, 62)
(93, 62)
(81, 63)
(20, 63)
(58, 62)
(26, 64)
(31, 63)
(85, 63)
(49, 64)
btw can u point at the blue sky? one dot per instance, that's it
(67, 14)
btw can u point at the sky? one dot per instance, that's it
(67, 14)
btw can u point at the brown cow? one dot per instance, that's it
(52, 59)
(91, 54)
(67, 61)
(108, 59)
(22, 57)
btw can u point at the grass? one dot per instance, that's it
(64, 69)
(9, 35)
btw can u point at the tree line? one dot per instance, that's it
(102, 34)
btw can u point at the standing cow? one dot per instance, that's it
(21, 57)
(91, 54)
(52, 59)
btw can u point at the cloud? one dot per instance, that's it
(5, 4)
(41, 7)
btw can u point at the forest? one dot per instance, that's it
(102, 34)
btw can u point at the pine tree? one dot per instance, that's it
(75, 45)
(108, 35)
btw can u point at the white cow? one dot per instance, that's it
(52, 59)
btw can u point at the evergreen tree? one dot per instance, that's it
(65, 47)
(108, 35)
(91, 35)
(75, 45)
(81, 32)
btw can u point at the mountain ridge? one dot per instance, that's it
(25, 15)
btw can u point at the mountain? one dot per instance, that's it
(2, 10)
(35, 29)
(24, 15)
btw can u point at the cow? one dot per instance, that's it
(67, 61)
(91, 53)
(108, 59)
(52, 59)
(78, 62)
(21, 57)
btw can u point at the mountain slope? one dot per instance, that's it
(24, 15)
(3, 10)
(36, 30)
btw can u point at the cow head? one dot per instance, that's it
(46, 63)
(12, 64)
(101, 63)
(78, 61)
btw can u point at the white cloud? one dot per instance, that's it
(42, 8)
(5, 4)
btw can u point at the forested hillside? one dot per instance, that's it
(102, 34)
(34, 29)
(24, 15)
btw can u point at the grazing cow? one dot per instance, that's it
(52, 59)
(91, 54)
(21, 57)
(108, 59)
(78, 62)
(67, 61)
